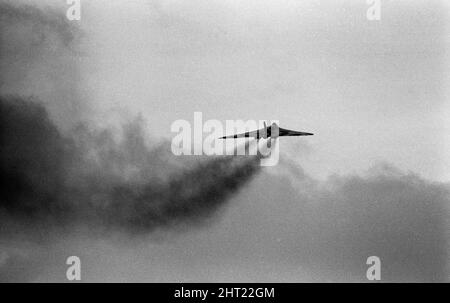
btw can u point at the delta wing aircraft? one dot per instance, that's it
(272, 131)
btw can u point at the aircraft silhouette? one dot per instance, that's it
(272, 131)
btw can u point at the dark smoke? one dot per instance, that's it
(40, 56)
(86, 175)
(32, 159)
(60, 176)
(42, 21)
(91, 178)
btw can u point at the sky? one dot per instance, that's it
(373, 180)
(371, 91)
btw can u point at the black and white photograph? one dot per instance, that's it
(224, 141)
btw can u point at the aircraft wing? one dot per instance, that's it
(252, 134)
(288, 132)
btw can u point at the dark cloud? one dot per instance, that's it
(91, 178)
(42, 21)
(32, 158)
(51, 182)
(87, 174)
(40, 55)
(338, 223)
(30, 36)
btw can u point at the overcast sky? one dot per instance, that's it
(373, 180)
(370, 91)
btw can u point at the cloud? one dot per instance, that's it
(54, 183)
(58, 173)
(338, 223)
(40, 55)
(90, 177)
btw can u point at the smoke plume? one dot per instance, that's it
(40, 56)
(90, 177)
(56, 170)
